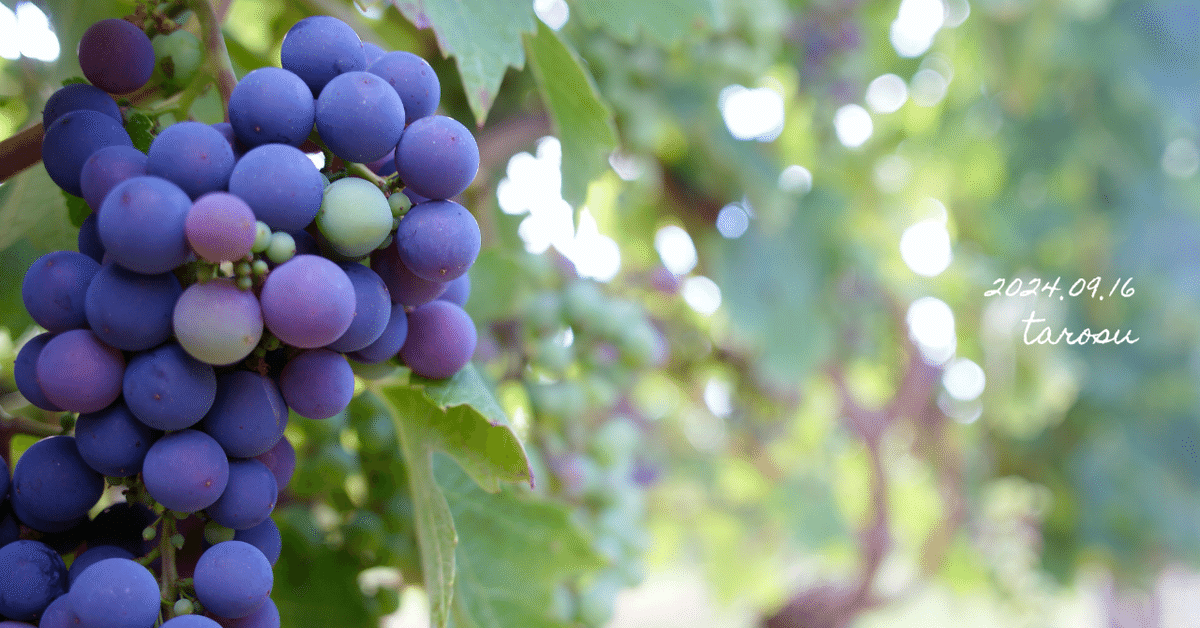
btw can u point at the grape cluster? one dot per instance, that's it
(222, 283)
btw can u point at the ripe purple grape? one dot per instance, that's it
(320, 47)
(113, 442)
(116, 593)
(233, 579)
(458, 290)
(359, 116)
(438, 240)
(54, 289)
(308, 301)
(389, 342)
(185, 471)
(142, 225)
(167, 389)
(249, 496)
(32, 575)
(281, 460)
(281, 184)
(248, 415)
(414, 81)
(73, 138)
(317, 384)
(78, 372)
(131, 311)
(79, 96)
(107, 167)
(372, 309)
(52, 483)
(192, 155)
(441, 340)
(265, 536)
(93, 555)
(403, 285)
(271, 105)
(116, 56)
(437, 157)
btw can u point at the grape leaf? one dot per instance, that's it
(582, 122)
(513, 550)
(483, 35)
(315, 584)
(33, 207)
(664, 22)
(459, 416)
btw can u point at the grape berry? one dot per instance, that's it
(223, 283)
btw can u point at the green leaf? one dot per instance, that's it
(459, 416)
(77, 209)
(33, 207)
(436, 536)
(513, 550)
(465, 421)
(315, 584)
(140, 127)
(582, 122)
(483, 35)
(664, 22)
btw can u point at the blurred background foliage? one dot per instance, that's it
(734, 299)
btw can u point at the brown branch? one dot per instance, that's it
(20, 151)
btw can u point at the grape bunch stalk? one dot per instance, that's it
(223, 281)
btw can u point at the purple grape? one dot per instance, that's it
(248, 415)
(185, 471)
(249, 497)
(53, 484)
(389, 342)
(233, 579)
(116, 593)
(384, 166)
(107, 167)
(116, 56)
(359, 116)
(73, 138)
(192, 155)
(190, 621)
(307, 302)
(281, 460)
(320, 47)
(267, 616)
(113, 442)
(372, 52)
(265, 536)
(32, 575)
(142, 225)
(79, 96)
(437, 157)
(281, 184)
(271, 105)
(226, 131)
(217, 323)
(403, 286)
(438, 240)
(372, 309)
(220, 227)
(131, 311)
(458, 290)
(58, 614)
(317, 384)
(88, 242)
(78, 372)
(167, 389)
(93, 555)
(55, 288)
(441, 340)
(414, 81)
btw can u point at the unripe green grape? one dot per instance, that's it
(184, 606)
(262, 237)
(259, 267)
(245, 282)
(282, 247)
(399, 204)
(177, 56)
(216, 533)
(355, 216)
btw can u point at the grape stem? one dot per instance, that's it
(216, 54)
(170, 573)
(363, 172)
